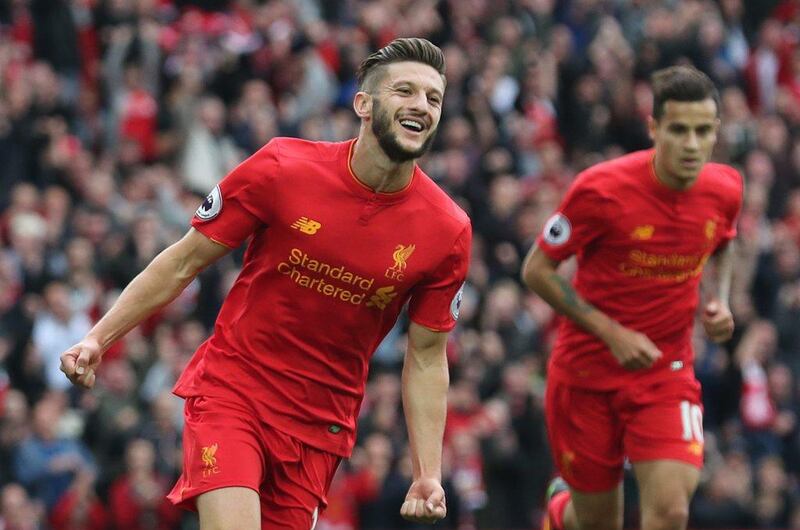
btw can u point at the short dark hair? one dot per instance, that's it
(681, 83)
(405, 49)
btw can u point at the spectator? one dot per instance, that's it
(137, 499)
(46, 463)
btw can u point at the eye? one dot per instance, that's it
(435, 100)
(404, 90)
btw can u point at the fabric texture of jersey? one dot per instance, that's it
(328, 268)
(641, 248)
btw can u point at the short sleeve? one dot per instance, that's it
(435, 302)
(581, 218)
(242, 201)
(733, 207)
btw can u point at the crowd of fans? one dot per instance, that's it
(118, 116)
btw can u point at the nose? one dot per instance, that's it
(692, 142)
(420, 101)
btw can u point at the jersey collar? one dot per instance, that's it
(362, 190)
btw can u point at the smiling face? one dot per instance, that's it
(406, 107)
(684, 138)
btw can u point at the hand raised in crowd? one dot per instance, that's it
(80, 362)
(633, 350)
(717, 320)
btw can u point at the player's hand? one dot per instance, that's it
(633, 350)
(80, 362)
(717, 320)
(425, 502)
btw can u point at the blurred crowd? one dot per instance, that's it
(118, 116)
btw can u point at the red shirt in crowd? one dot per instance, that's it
(641, 248)
(329, 266)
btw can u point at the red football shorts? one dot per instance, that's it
(592, 432)
(225, 446)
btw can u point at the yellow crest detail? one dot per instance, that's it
(643, 232)
(401, 255)
(207, 455)
(383, 296)
(711, 229)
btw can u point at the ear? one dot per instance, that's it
(362, 104)
(652, 125)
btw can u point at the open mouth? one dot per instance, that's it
(412, 125)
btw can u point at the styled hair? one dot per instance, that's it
(681, 83)
(404, 49)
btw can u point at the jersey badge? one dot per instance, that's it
(455, 305)
(211, 206)
(643, 232)
(557, 229)
(400, 255)
(209, 459)
(307, 226)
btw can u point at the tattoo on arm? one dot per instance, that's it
(571, 298)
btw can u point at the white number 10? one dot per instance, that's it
(692, 421)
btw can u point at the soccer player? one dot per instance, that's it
(341, 236)
(620, 380)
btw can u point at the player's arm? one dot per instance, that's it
(156, 286)
(425, 381)
(717, 318)
(633, 350)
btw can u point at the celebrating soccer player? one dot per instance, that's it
(340, 236)
(621, 382)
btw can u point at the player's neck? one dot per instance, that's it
(372, 167)
(667, 179)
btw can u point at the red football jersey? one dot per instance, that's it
(641, 248)
(329, 267)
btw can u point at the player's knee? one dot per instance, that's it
(666, 515)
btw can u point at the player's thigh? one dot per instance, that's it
(585, 437)
(226, 508)
(599, 510)
(665, 491)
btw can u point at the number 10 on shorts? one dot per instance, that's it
(692, 421)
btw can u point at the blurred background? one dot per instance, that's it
(118, 116)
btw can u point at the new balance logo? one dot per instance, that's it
(643, 232)
(307, 226)
(383, 296)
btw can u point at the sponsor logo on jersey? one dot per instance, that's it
(209, 459)
(455, 305)
(695, 448)
(383, 296)
(557, 230)
(307, 226)
(664, 267)
(400, 255)
(211, 206)
(643, 232)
